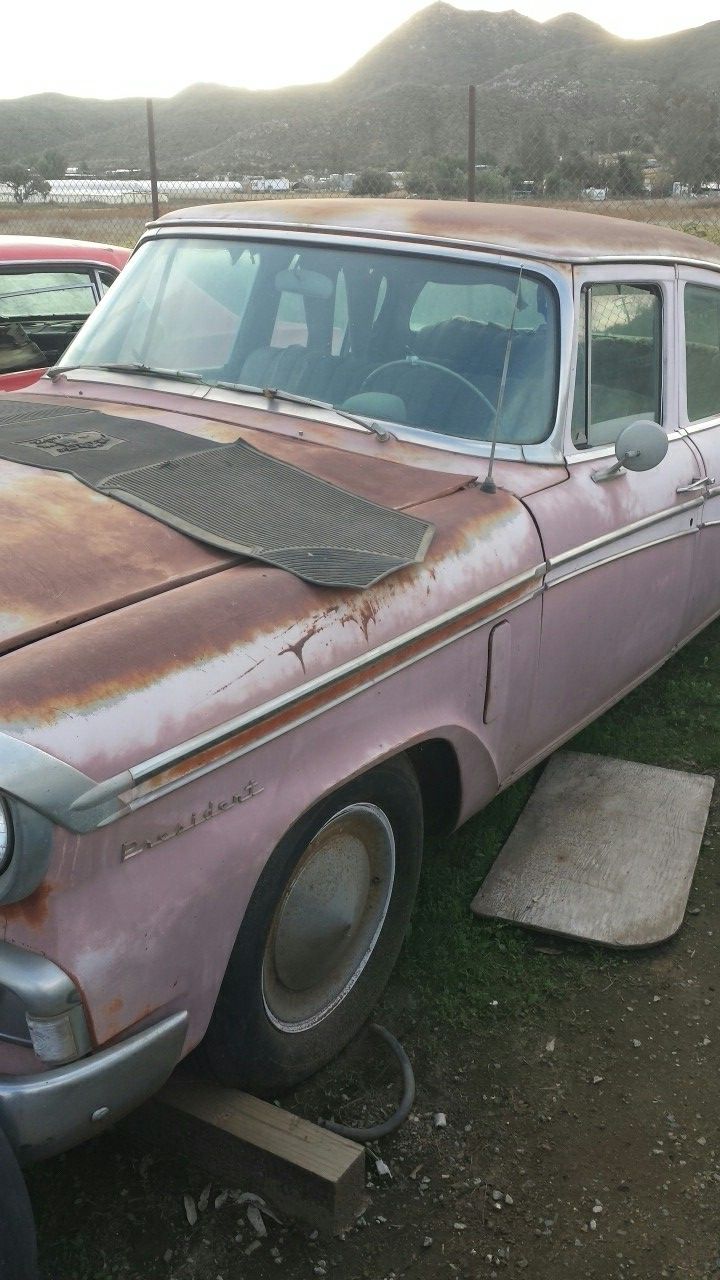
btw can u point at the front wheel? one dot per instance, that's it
(321, 934)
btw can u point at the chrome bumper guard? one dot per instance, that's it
(47, 1112)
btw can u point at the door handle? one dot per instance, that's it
(695, 485)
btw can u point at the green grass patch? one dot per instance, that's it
(466, 973)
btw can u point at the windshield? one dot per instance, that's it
(423, 341)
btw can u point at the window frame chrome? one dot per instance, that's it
(652, 274)
(706, 278)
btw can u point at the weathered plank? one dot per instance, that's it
(604, 851)
(302, 1169)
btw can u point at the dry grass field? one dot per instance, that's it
(124, 223)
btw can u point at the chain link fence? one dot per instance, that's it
(678, 186)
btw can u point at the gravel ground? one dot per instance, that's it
(581, 1140)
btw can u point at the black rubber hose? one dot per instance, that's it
(403, 1111)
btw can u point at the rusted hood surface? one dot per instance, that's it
(68, 554)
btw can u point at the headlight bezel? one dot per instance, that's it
(8, 852)
(28, 858)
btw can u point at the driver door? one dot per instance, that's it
(619, 549)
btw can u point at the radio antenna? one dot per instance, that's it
(488, 485)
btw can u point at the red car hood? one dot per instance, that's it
(68, 553)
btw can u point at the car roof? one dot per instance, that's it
(57, 249)
(557, 235)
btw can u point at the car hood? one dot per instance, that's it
(68, 553)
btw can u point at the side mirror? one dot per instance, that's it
(639, 447)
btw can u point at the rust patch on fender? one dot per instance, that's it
(32, 911)
(299, 645)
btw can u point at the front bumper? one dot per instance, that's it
(78, 1093)
(49, 1112)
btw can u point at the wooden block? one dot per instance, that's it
(604, 851)
(303, 1170)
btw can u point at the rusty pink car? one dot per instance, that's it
(334, 519)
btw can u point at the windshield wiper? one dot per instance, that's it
(185, 375)
(178, 375)
(276, 393)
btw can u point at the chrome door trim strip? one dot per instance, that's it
(74, 801)
(616, 534)
(156, 793)
(620, 555)
(98, 796)
(50, 786)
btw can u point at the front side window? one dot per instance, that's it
(458, 347)
(619, 361)
(40, 311)
(702, 351)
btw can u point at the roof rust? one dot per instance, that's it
(553, 234)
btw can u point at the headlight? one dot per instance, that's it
(6, 837)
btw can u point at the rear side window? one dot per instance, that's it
(619, 364)
(702, 351)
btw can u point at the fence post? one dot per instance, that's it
(153, 159)
(471, 144)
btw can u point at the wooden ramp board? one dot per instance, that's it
(300, 1168)
(604, 851)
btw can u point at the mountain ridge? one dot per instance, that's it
(405, 98)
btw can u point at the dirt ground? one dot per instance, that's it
(581, 1140)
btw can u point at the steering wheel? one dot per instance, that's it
(416, 363)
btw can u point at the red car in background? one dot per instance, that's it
(48, 288)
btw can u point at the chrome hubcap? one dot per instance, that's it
(330, 917)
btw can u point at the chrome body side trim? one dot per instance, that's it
(101, 795)
(47, 784)
(606, 538)
(619, 555)
(50, 1112)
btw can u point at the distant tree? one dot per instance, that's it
(52, 164)
(23, 182)
(372, 182)
(491, 184)
(692, 138)
(575, 172)
(433, 176)
(626, 179)
(661, 182)
(536, 153)
(419, 181)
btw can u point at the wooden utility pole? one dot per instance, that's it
(153, 159)
(471, 144)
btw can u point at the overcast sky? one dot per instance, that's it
(140, 47)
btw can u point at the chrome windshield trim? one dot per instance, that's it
(548, 451)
